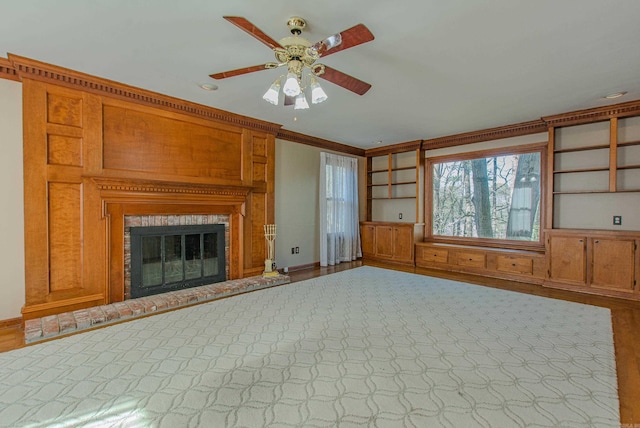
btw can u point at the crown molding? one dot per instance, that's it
(630, 108)
(26, 68)
(296, 137)
(509, 131)
(394, 148)
(7, 71)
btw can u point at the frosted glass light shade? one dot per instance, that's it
(291, 86)
(301, 102)
(317, 93)
(272, 94)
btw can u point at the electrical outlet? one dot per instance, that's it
(293, 250)
(400, 216)
(617, 220)
(297, 250)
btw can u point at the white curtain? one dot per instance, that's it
(339, 226)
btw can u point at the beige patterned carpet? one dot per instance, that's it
(363, 347)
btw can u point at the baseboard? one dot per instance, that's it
(11, 322)
(303, 267)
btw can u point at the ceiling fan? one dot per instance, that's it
(298, 54)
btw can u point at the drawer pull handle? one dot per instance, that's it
(596, 241)
(470, 259)
(580, 240)
(513, 264)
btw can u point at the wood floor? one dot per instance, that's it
(625, 320)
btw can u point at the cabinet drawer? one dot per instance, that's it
(471, 259)
(435, 255)
(522, 265)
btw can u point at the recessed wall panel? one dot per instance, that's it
(64, 110)
(139, 141)
(63, 150)
(65, 236)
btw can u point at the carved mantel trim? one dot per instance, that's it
(122, 197)
(151, 186)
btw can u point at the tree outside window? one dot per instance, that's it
(494, 196)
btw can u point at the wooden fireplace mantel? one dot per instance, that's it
(90, 159)
(120, 198)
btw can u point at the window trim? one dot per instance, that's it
(486, 242)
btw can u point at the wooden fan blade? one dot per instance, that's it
(248, 27)
(354, 36)
(289, 101)
(238, 72)
(344, 80)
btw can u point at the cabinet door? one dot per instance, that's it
(384, 241)
(368, 240)
(613, 263)
(403, 243)
(567, 259)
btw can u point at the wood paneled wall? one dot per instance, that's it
(91, 159)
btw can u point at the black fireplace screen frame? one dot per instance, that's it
(138, 289)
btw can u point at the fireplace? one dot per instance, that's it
(166, 258)
(170, 252)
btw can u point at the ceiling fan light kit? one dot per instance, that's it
(300, 56)
(273, 93)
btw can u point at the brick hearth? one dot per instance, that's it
(71, 322)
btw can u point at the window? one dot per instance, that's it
(339, 231)
(491, 195)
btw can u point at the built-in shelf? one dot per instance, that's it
(629, 143)
(392, 197)
(579, 192)
(592, 163)
(629, 167)
(582, 149)
(395, 183)
(393, 175)
(571, 171)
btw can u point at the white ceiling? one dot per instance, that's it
(438, 67)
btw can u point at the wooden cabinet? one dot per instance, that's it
(612, 263)
(516, 265)
(594, 261)
(391, 242)
(385, 238)
(521, 265)
(567, 259)
(368, 239)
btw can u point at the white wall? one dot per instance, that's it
(11, 189)
(296, 202)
